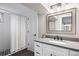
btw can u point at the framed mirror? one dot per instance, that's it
(62, 22)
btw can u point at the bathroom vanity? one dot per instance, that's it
(58, 23)
(50, 47)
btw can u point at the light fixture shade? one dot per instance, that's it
(52, 19)
(55, 5)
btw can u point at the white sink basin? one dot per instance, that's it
(57, 42)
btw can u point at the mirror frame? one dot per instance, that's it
(73, 17)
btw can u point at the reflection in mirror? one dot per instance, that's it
(61, 22)
(66, 22)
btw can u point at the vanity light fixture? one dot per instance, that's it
(55, 5)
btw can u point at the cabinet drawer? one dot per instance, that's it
(38, 49)
(37, 44)
(38, 53)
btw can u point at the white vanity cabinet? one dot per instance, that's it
(49, 50)
(42, 49)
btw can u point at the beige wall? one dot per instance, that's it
(41, 25)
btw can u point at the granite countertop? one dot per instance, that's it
(68, 44)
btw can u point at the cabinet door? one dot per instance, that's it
(58, 53)
(74, 53)
(48, 52)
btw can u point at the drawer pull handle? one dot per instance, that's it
(37, 52)
(37, 45)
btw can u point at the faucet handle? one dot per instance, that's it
(57, 37)
(61, 38)
(54, 37)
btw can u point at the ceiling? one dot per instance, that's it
(38, 7)
(44, 8)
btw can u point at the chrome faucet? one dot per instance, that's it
(57, 38)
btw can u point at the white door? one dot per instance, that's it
(23, 33)
(32, 32)
(18, 32)
(14, 32)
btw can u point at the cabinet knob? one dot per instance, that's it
(50, 54)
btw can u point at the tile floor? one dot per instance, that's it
(24, 52)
